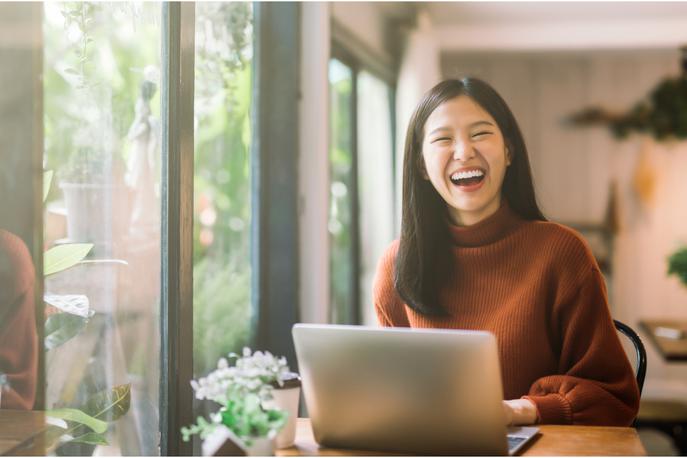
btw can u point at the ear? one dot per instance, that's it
(509, 157)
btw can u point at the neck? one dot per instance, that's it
(487, 230)
(469, 218)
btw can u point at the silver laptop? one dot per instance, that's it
(406, 390)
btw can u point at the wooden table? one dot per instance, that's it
(670, 349)
(552, 440)
(21, 432)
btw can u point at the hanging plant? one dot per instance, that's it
(662, 115)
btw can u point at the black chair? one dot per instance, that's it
(639, 349)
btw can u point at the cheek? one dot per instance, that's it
(432, 165)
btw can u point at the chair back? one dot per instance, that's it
(639, 350)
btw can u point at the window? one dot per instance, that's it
(142, 190)
(222, 273)
(376, 181)
(102, 144)
(341, 225)
(222, 207)
(361, 161)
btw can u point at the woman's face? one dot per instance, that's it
(465, 158)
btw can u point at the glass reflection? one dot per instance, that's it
(18, 337)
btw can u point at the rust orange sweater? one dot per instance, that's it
(18, 338)
(537, 287)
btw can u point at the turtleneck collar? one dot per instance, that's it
(489, 230)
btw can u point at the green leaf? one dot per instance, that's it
(63, 257)
(90, 438)
(110, 405)
(60, 327)
(47, 180)
(78, 416)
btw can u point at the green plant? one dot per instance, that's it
(221, 311)
(73, 312)
(94, 58)
(89, 425)
(241, 391)
(85, 426)
(677, 264)
(662, 114)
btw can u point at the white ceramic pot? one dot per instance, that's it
(286, 398)
(96, 213)
(223, 442)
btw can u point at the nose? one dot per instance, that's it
(462, 150)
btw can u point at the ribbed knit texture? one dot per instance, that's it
(18, 339)
(538, 288)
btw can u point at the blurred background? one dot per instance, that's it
(598, 89)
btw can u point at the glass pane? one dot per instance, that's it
(20, 379)
(222, 209)
(375, 182)
(102, 214)
(340, 175)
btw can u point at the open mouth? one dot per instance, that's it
(468, 178)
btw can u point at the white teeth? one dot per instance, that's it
(468, 174)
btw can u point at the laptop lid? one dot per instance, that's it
(398, 389)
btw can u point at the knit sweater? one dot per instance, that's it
(18, 338)
(536, 286)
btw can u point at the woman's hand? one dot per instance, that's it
(520, 412)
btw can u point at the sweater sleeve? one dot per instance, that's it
(18, 337)
(595, 384)
(388, 305)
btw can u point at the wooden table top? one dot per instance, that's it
(21, 432)
(552, 440)
(672, 349)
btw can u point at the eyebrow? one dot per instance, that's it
(476, 123)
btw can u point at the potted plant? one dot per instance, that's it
(74, 431)
(95, 198)
(250, 417)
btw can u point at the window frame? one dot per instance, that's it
(275, 149)
(176, 295)
(352, 52)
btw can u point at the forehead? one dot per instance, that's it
(458, 112)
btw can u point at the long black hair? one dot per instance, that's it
(424, 258)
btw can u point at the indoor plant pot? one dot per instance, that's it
(285, 397)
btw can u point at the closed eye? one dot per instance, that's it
(481, 133)
(441, 139)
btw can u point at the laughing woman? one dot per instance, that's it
(476, 253)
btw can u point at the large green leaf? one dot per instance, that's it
(60, 327)
(90, 438)
(80, 417)
(47, 180)
(110, 405)
(63, 257)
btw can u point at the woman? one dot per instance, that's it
(476, 253)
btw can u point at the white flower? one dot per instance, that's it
(251, 373)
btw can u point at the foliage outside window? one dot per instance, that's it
(101, 118)
(340, 205)
(222, 208)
